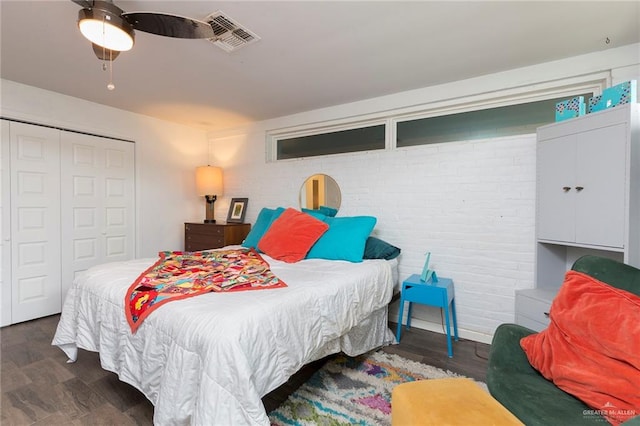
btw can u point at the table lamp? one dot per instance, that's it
(209, 186)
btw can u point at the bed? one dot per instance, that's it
(208, 360)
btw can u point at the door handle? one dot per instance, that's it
(579, 188)
(566, 188)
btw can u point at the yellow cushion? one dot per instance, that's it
(446, 402)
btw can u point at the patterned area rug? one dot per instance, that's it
(353, 391)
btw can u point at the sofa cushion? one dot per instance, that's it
(609, 271)
(587, 350)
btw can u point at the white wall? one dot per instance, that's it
(471, 203)
(166, 157)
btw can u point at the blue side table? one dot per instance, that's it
(439, 293)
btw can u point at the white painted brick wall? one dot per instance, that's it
(470, 203)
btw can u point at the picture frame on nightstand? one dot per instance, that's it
(237, 210)
(428, 274)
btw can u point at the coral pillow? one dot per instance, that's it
(291, 236)
(591, 348)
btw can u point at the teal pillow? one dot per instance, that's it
(344, 240)
(375, 248)
(328, 211)
(322, 210)
(265, 218)
(314, 213)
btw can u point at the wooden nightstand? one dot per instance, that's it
(203, 236)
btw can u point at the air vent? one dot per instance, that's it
(230, 35)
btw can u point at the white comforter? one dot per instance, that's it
(209, 359)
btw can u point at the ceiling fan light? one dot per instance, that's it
(106, 29)
(104, 54)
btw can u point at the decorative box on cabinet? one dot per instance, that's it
(203, 236)
(588, 198)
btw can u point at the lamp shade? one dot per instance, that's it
(104, 26)
(209, 180)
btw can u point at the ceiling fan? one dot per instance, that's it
(111, 30)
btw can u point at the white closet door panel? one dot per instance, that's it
(119, 201)
(5, 227)
(98, 202)
(601, 171)
(555, 203)
(35, 221)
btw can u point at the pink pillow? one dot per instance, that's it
(591, 348)
(291, 236)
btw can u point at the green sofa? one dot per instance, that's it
(524, 391)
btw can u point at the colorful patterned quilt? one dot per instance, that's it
(178, 275)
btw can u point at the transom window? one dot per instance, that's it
(507, 120)
(337, 142)
(519, 111)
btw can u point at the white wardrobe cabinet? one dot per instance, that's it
(67, 204)
(581, 187)
(588, 200)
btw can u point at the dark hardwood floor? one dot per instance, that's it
(39, 388)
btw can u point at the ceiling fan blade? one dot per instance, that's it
(87, 4)
(169, 25)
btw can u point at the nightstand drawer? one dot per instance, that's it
(426, 294)
(204, 229)
(203, 242)
(204, 236)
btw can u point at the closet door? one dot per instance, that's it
(5, 227)
(97, 187)
(35, 221)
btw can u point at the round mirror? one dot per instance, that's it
(320, 192)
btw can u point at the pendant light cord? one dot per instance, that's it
(110, 85)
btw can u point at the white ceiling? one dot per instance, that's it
(311, 54)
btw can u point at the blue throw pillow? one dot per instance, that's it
(265, 218)
(344, 240)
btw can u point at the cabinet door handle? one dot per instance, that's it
(566, 188)
(546, 314)
(579, 188)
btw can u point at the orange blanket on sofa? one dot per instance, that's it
(591, 348)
